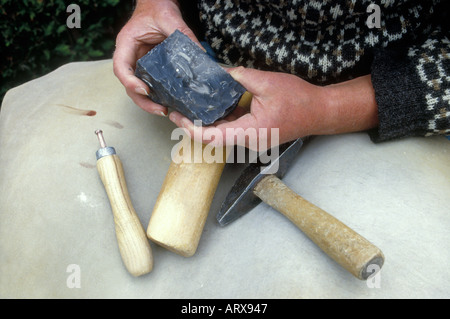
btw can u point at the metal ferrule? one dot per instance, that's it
(105, 151)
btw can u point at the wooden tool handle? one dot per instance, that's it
(134, 245)
(344, 245)
(185, 197)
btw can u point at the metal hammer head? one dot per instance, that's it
(241, 198)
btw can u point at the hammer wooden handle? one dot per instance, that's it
(133, 243)
(349, 249)
(183, 203)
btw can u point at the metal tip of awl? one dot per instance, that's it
(101, 139)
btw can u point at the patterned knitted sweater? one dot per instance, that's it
(329, 41)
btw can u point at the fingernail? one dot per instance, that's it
(160, 113)
(141, 90)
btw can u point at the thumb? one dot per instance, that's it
(181, 26)
(255, 81)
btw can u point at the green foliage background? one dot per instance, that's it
(36, 39)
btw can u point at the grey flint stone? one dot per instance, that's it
(183, 77)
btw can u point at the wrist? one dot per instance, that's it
(350, 106)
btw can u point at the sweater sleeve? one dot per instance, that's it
(412, 89)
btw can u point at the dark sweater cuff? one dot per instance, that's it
(400, 97)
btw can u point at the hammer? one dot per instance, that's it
(349, 249)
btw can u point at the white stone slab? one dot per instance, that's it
(54, 211)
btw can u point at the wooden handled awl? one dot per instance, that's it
(349, 249)
(134, 246)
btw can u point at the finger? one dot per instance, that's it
(148, 105)
(255, 81)
(178, 118)
(136, 89)
(181, 121)
(238, 132)
(194, 132)
(124, 61)
(180, 25)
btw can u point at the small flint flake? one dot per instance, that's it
(183, 77)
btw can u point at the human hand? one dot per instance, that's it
(151, 22)
(292, 106)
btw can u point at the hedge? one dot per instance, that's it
(37, 39)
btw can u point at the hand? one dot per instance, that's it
(151, 22)
(293, 106)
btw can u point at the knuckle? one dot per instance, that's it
(239, 69)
